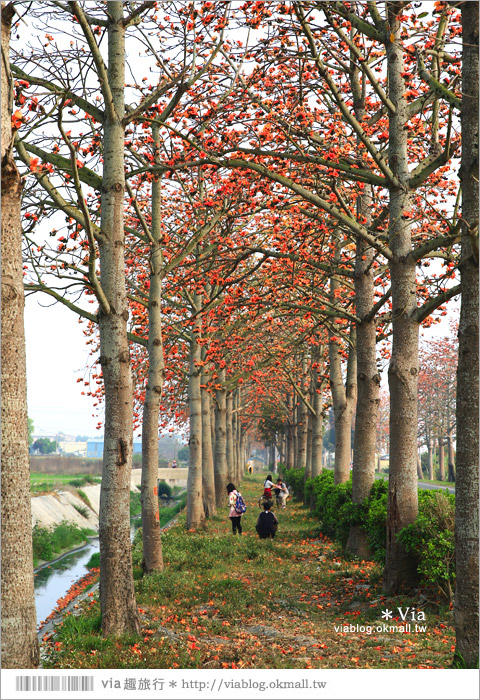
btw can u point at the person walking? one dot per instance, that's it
(267, 523)
(234, 515)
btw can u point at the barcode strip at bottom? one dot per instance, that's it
(50, 683)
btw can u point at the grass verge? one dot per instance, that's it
(40, 483)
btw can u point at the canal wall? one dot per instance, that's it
(173, 477)
(66, 505)
(50, 509)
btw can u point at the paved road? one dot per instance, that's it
(424, 484)
(421, 484)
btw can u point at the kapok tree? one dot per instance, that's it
(20, 647)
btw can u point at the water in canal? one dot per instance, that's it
(53, 581)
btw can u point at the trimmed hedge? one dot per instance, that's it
(430, 538)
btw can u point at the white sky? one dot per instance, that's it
(56, 357)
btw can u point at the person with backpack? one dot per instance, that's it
(237, 508)
(267, 523)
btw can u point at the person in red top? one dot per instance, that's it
(267, 492)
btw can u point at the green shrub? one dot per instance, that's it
(169, 512)
(164, 489)
(42, 543)
(431, 539)
(332, 505)
(135, 503)
(83, 481)
(48, 543)
(374, 519)
(295, 479)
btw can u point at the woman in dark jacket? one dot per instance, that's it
(267, 522)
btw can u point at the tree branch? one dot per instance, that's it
(429, 307)
(87, 107)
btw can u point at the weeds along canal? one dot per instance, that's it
(54, 579)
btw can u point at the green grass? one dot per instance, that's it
(83, 510)
(225, 601)
(40, 483)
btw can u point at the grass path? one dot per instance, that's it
(227, 601)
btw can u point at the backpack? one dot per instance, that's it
(240, 506)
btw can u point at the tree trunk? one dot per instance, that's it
(242, 449)
(308, 461)
(400, 569)
(419, 466)
(208, 474)
(220, 455)
(431, 474)
(466, 488)
(368, 378)
(441, 458)
(290, 441)
(212, 425)
(295, 431)
(117, 595)
(317, 428)
(151, 536)
(195, 514)
(20, 647)
(343, 399)
(230, 457)
(302, 434)
(236, 438)
(451, 455)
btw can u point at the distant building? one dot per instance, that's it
(78, 449)
(95, 448)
